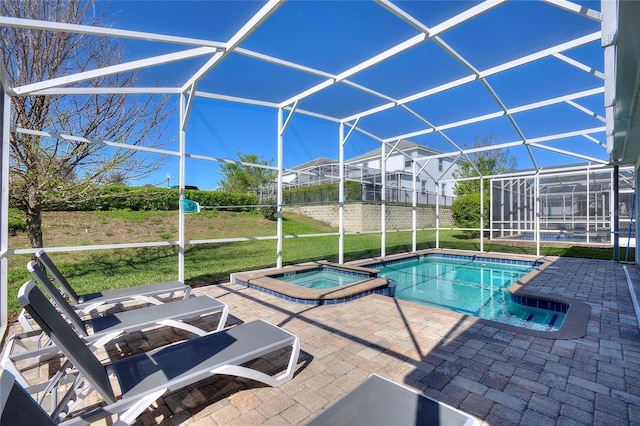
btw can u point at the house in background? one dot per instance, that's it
(434, 175)
(399, 168)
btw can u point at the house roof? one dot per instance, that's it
(402, 146)
(315, 163)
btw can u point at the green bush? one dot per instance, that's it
(222, 199)
(118, 197)
(17, 225)
(466, 213)
(16, 221)
(270, 211)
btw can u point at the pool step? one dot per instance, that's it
(528, 317)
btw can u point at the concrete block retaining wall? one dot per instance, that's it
(366, 217)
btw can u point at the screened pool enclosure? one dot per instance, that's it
(551, 81)
(576, 205)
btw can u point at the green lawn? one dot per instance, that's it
(89, 271)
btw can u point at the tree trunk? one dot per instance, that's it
(33, 214)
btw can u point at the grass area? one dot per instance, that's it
(90, 271)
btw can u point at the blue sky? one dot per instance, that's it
(332, 36)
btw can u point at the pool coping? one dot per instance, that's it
(262, 280)
(576, 318)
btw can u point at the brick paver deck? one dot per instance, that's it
(499, 376)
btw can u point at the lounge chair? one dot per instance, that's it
(18, 408)
(378, 401)
(166, 314)
(103, 329)
(144, 378)
(87, 302)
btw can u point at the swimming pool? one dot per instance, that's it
(321, 278)
(562, 237)
(472, 286)
(316, 283)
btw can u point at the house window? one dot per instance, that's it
(443, 188)
(407, 164)
(424, 187)
(440, 164)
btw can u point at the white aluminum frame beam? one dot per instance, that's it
(383, 200)
(282, 128)
(486, 73)
(532, 141)
(579, 65)
(184, 118)
(148, 149)
(438, 216)
(537, 203)
(104, 31)
(588, 204)
(96, 141)
(498, 114)
(569, 153)
(280, 198)
(107, 91)
(609, 43)
(235, 99)
(399, 48)
(343, 140)
(565, 171)
(182, 167)
(482, 212)
(5, 121)
(4, 81)
(542, 54)
(341, 231)
(594, 140)
(567, 135)
(577, 9)
(414, 206)
(587, 111)
(113, 69)
(289, 117)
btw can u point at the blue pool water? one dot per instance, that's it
(321, 278)
(560, 237)
(469, 286)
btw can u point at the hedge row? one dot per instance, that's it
(117, 197)
(325, 193)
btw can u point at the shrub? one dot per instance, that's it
(16, 225)
(269, 211)
(223, 199)
(119, 197)
(16, 221)
(466, 213)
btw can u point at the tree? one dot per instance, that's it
(466, 213)
(488, 163)
(46, 167)
(466, 208)
(246, 178)
(115, 178)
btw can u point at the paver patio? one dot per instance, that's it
(497, 375)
